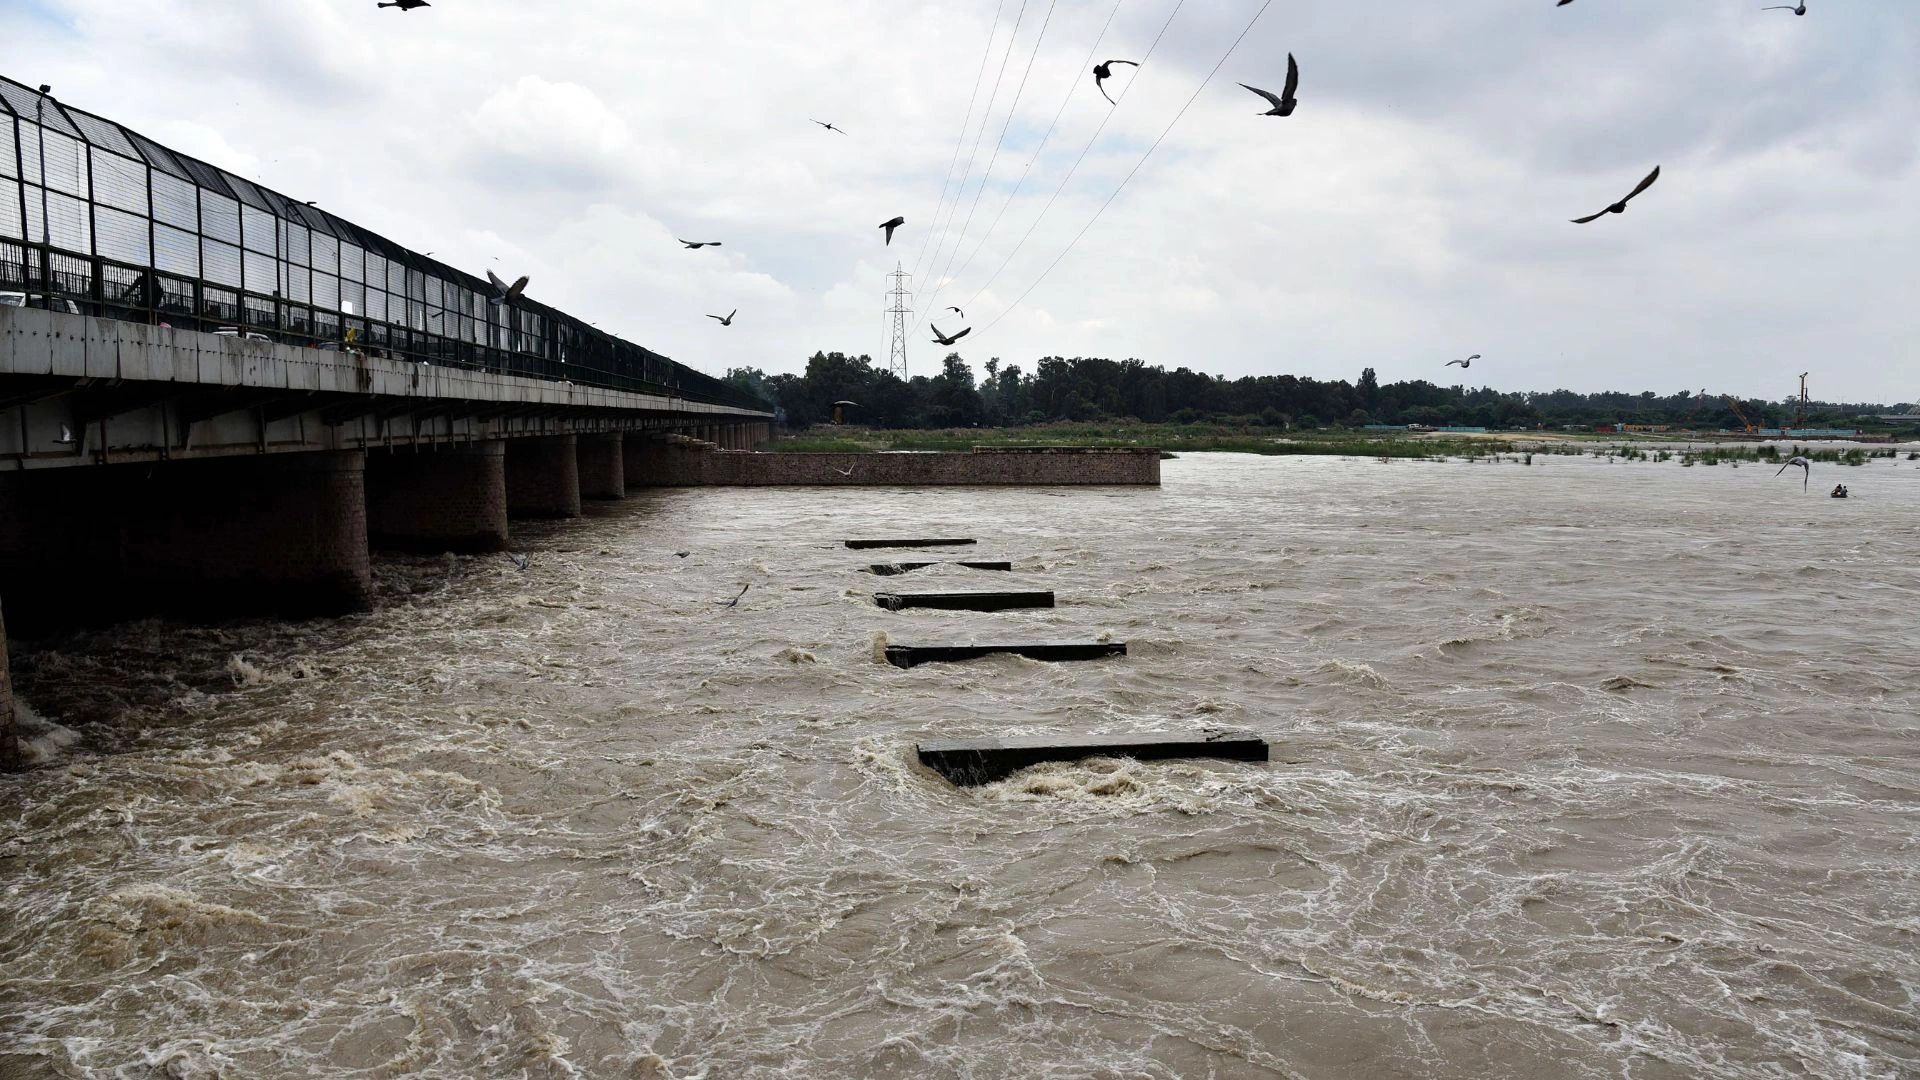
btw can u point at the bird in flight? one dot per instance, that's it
(828, 126)
(728, 321)
(1807, 475)
(958, 312)
(1104, 71)
(1284, 104)
(504, 293)
(892, 225)
(519, 560)
(1801, 10)
(942, 339)
(1464, 364)
(405, 5)
(736, 600)
(696, 246)
(1621, 206)
(681, 554)
(848, 471)
(1563, 3)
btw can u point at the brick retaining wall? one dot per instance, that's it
(684, 463)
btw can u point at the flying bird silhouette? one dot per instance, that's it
(1806, 477)
(958, 312)
(1801, 10)
(1285, 103)
(1464, 364)
(519, 560)
(736, 600)
(1104, 71)
(1563, 3)
(697, 245)
(848, 471)
(828, 126)
(942, 339)
(504, 293)
(728, 321)
(892, 225)
(1621, 206)
(405, 5)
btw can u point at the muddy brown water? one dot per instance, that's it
(1581, 770)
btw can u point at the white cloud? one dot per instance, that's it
(1412, 211)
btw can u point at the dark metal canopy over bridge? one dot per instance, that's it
(99, 220)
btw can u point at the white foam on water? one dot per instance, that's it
(1555, 792)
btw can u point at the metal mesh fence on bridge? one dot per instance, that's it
(96, 219)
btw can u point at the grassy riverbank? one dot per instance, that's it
(1204, 438)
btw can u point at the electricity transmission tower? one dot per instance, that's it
(897, 349)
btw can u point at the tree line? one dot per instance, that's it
(1095, 389)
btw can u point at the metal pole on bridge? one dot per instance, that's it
(46, 244)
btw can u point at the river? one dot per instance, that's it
(1581, 769)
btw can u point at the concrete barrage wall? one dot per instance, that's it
(688, 463)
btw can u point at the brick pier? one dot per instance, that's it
(9, 736)
(543, 477)
(602, 471)
(451, 498)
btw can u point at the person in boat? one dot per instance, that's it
(1839, 491)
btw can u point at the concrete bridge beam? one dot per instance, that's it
(451, 498)
(602, 467)
(543, 477)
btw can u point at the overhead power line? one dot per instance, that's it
(961, 238)
(1062, 186)
(1136, 168)
(960, 139)
(1072, 88)
(985, 114)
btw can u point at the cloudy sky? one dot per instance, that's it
(1415, 208)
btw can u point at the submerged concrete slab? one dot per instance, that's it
(964, 601)
(983, 761)
(890, 569)
(951, 542)
(906, 656)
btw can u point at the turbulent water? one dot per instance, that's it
(1580, 770)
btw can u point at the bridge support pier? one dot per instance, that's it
(602, 468)
(9, 735)
(543, 477)
(264, 534)
(644, 458)
(282, 533)
(451, 498)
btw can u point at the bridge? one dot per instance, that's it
(216, 399)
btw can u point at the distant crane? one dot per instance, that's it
(1800, 407)
(1749, 426)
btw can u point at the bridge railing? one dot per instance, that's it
(96, 219)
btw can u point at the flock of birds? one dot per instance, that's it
(1282, 104)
